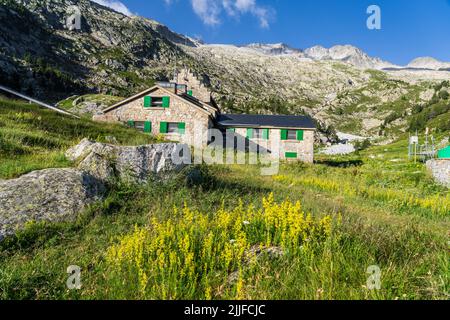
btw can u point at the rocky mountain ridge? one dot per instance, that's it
(119, 55)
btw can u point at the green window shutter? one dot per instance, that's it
(147, 102)
(266, 134)
(284, 134)
(163, 127)
(166, 102)
(232, 130)
(131, 123)
(148, 127)
(250, 133)
(300, 134)
(182, 128)
(291, 155)
(190, 93)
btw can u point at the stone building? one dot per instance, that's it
(184, 111)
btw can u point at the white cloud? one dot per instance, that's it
(115, 5)
(210, 10)
(207, 10)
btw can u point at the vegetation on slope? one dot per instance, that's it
(331, 220)
(33, 138)
(436, 113)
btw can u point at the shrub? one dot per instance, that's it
(444, 95)
(362, 145)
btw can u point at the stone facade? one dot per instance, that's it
(440, 170)
(197, 120)
(192, 106)
(304, 149)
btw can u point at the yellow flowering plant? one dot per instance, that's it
(192, 253)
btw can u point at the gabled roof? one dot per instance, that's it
(265, 121)
(192, 102)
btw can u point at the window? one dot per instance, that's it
(258, 134)
(292, 135)
(139, 125)
(145, 126)
(173, 127)
(156, 102)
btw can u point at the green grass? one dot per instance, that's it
(408, 242)
(33, 138)
(409, 247)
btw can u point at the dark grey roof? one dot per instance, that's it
(261, 121)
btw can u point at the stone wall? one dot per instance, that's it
(440, 170)
(304, 149)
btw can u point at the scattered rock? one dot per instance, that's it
(61, 194)
(46, 195)
(271, 252)
(134, 164)
(258, 252)
(339, 149)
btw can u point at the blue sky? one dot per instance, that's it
(410, 28)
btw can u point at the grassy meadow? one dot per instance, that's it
(179, 239)
(33, 138)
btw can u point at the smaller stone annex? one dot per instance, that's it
(184, 111)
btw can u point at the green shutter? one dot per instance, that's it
(163, 127)
(266, 134)
(147, 102)
(190, 93)
(250, 133)
(291, 155)
(148, 127)
(300, 135)
(284, 134)
(182, 128)
(131, 123)
(166, 102)
(232, 130)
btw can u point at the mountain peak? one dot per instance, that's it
(273, 49)
(428, 63)
(346, 53)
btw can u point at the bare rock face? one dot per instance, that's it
(46, 195)
(134, 164)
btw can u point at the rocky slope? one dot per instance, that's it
(119, 55)
(112, 53)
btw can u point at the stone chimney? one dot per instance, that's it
(199, 90)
